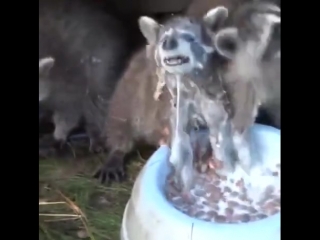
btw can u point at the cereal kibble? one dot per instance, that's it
(224, 199)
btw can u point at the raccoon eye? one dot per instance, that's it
(188, 37)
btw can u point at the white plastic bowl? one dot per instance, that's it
(149, 216)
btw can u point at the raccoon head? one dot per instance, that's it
(252, 30)
(182, 44)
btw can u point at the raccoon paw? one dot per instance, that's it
(112, 169)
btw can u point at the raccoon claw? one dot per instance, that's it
(112, 169)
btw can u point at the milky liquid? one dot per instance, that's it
(231, 199)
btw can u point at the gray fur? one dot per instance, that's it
(90, 49)
(212, 104)
(181, 148)
(135, 114)
(185, 37)
(253, 76)
(252, 64)
(205, 95)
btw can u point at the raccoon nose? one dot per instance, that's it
(169, 44)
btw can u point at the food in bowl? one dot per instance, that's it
(236, 198)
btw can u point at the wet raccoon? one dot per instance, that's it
(253, 75)
(135, 113)
(82, 52)
(212, 95)
(185, 52)
(199, 7)
(255, 61)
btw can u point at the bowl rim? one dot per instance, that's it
(157, 167)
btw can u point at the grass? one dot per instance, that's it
(72, 205)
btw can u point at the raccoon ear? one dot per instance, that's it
(45, 65)
(226, 42)
(266, 7)
(273, 18)
(149, 28)
(215, 17)
(267, 18)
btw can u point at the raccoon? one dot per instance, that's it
(82, 52)
(266, 115)
(253, 47)
(216, 100)
(253, 76)
(134, 114)
(186, 52)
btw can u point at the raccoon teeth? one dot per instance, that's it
(174, 61)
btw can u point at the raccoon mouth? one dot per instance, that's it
(176, 60)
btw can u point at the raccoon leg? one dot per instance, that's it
(230, 152)
(64, 122)
(95, 112)
(94, 128)
(214, 140)
(120, 142)
(223, 152)
(96, 141)
(242, 147)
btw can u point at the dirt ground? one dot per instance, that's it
(72, 205)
